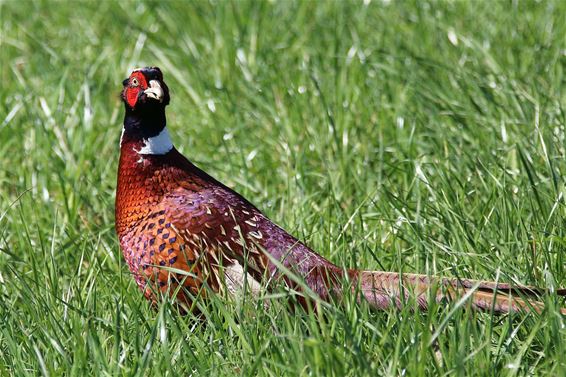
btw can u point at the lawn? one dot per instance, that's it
(415, 136)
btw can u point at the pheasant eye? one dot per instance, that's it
(134, 82)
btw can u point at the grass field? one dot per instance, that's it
(411, 136)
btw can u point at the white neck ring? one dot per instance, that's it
(156, 145)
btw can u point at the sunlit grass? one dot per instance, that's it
(409, 136)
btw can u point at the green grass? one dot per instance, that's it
(410, 136)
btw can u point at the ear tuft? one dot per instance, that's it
(158, 71)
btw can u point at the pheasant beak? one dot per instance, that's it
(154, 91)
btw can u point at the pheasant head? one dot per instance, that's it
(145, 89)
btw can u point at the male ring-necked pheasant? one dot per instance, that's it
(181, 230)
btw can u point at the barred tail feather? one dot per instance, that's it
(384, 290)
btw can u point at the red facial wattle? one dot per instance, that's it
(132, 96)
(137, 84)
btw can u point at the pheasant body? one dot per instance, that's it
(181, 230)
(170, 215)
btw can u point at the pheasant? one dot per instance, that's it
(183, 233)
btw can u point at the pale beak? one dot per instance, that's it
(154, 91)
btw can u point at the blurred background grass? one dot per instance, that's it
(415, 136)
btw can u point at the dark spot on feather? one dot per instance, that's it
(172, 240)
(162, 247)
(172, 260)
(161, 221)
(151, 226)
(170, 251)
(151, 241)
(159, 231)
(165, 236)
(162, 263)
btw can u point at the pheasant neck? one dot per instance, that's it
(143, 124)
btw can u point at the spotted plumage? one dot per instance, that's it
(185, 234)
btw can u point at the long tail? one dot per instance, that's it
(384, 290)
